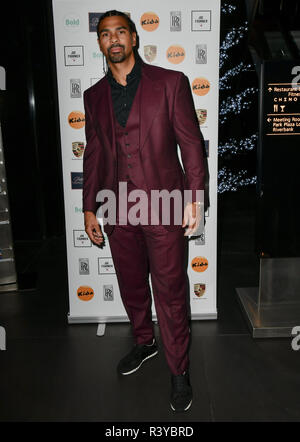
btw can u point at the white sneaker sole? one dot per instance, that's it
(185, 409)
(135, 369)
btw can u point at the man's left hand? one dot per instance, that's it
(191, 218)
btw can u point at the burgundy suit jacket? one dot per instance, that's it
(167, 118)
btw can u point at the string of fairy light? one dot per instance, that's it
(235, 146)
(234, 105)
(229, 180)
(232, 181)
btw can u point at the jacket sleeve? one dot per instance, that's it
(91, 163)
(188, 136)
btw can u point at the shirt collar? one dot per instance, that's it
(134, 74)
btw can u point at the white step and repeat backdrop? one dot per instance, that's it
(173, 34)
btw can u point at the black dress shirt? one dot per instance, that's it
(123, 96)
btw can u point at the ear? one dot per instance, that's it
(133, 36)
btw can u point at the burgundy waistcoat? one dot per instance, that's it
(130, 167)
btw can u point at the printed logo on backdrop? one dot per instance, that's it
(76, 119)
(73, 55)
(149, 21)
(81, 239)
(78, 148)
(72, 22)
(201, 54)
(94, 80)
(94, 20)
(199, 264)
(201, 115)
(206, 145)
(106, 266)
(78, 210)
(200, 240)
(85, 293)
(201, 20)
(199, 289)
(175, 21)
(77, 180)
(108, 293)
(200, 86)
(175, 54)
(97, 55)
(84, 267)
(150, 52)
(75, 88)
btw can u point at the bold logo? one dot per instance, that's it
(94, 20)
(201, 20)
(85, 293)
(75, 88)
(108, 293)
(78, 148)
(199, 290)
(175, 54)
(149, 21)
(84, 267)
(76, 119)
(150, 52)
(201, 54)
(105, 266)
(81, 239)
(200, 86)
(77, 180)
(71, 22)
(73, 55)
(199, 264)
(201, 115)
(175, 21)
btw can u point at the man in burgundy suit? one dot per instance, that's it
(135, 117)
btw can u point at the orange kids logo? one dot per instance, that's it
(76, 119)
(85, 293)
(200, 86)
(175, 54)
(199, 264)
(149, 21)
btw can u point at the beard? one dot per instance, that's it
(117, 57)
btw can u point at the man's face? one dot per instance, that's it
(115, 40)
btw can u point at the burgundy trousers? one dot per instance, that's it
(136, 252)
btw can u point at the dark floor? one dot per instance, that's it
(52, 371)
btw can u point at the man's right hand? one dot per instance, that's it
(93, 228)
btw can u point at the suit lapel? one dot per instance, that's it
(151, 95)
(105, 116)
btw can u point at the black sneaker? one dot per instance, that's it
(182, 394)
(139, 354)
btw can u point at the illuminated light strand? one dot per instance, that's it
(227, 9)
(234, 146)
(230, 181)
(235, 104)
(231, 39)
(232, 73)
